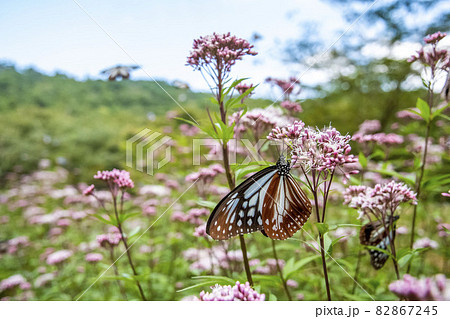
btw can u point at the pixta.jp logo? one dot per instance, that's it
(148, 150)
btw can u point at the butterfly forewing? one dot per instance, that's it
(286, 207)
(240, 211)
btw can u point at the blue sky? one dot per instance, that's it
(56, 35)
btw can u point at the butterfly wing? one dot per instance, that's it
(286, 207)
(240, 211)
(375, 234)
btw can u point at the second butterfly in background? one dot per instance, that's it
(378, 234)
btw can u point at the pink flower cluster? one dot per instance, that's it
(425, 243)
(258, 121)
(239, 292)
(405, 114)
(89, 190)
(219, 50)
(194, 216)
(200, 231)
(206, 175)
(214, 259)
(426, 289)
(288, 87)
(292, 106)
(380, 199)
(242, 88)
(433, 57)
(94, 257)
(117, 177)
(270, 268)
(58, 257)
(434, 38)
(443, 230)
(289, 133)
(189, 130)
(379, 138)
(15, 243)
(369, 126)
(14, 281)
(109, 239)
(320, 150)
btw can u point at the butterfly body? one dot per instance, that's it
(270, 201)
(375, 234)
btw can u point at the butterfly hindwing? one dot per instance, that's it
(286, 207)
(240, 211)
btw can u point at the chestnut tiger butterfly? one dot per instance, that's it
(270, 201)
(375, 234)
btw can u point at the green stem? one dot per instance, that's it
(322, 244)
(280, 272)
(421, 174)
(358, 265)
(127, 249)
(116, 272)
(226, 164)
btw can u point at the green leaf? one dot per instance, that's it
(241, 172)
(213, 100)
(134, 234)
(188, 121)
(327, 243)
(104, 220)
(207, 204)
(291, 269)
(444, 116)
(424, 109)
(219, 279)
(233, 85)
(123, 217)
(362, 160)
(210, 280)
(405, 260)
(438, 111)
(323, 228)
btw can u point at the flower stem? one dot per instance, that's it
(246, 264)
(421, 174)
(226, 164)
(322, 244)
(324, 266)
(280, 272)
(116, 272)
(127, 249)
(355, 276)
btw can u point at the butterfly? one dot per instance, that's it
(119, 72)
(375, 234)
(270, 201)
